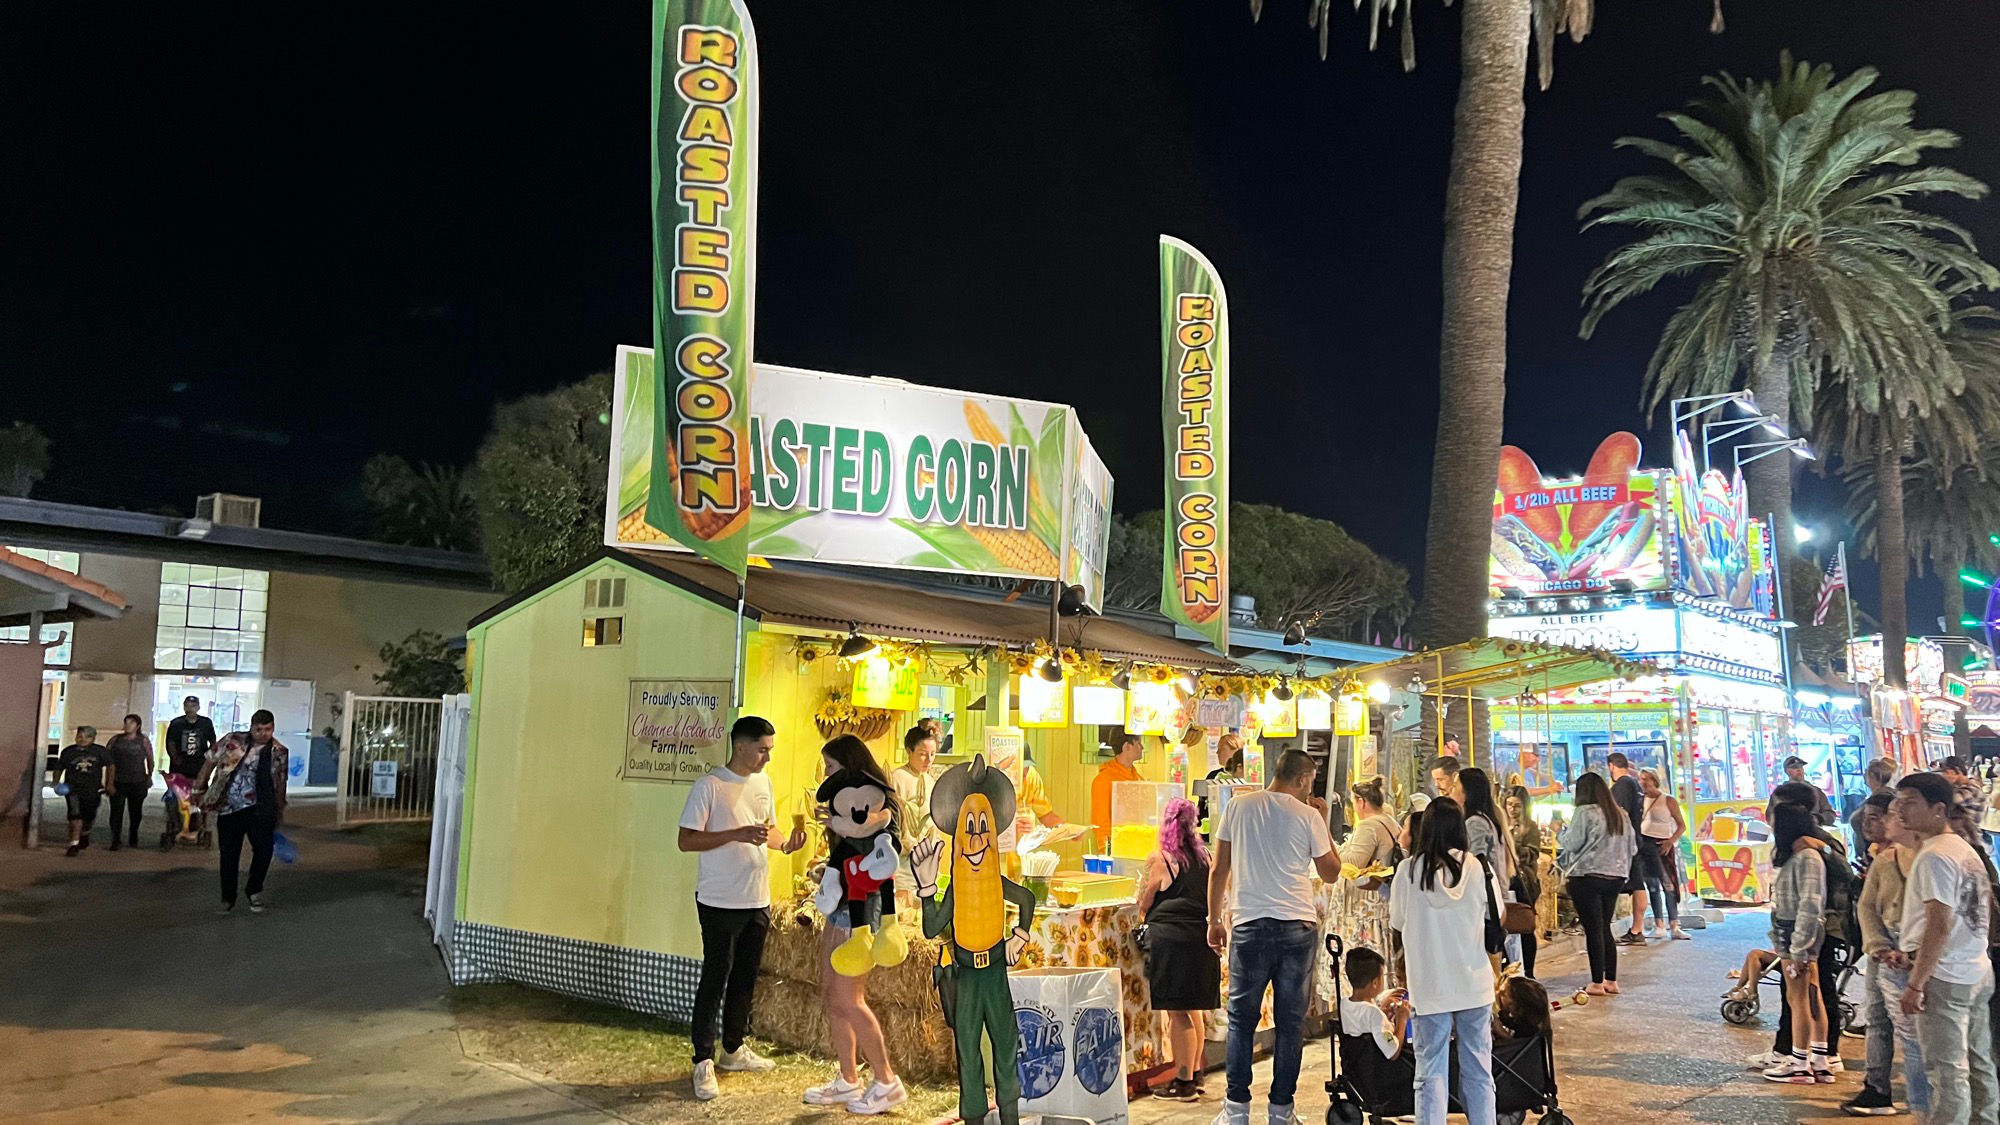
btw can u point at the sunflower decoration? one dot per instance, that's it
(1160, 674)
(837, 715)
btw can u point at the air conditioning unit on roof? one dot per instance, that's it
(229, 511)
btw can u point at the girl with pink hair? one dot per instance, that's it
(1183, 974)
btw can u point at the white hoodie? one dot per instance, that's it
(1444, 936)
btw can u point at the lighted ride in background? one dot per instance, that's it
(1665, 566)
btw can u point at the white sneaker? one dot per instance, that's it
(1834, 1065)
(743, 1058)
(1233, 1113)
(1281, 1115)
(879, 1099)
(1764, 1060)
(837, 1091)
(705, 1088)
(1791, 1070)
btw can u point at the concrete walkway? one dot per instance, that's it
(123, 997)
(1659, 1054)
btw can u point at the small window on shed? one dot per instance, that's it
(603, 593)
(600, 632)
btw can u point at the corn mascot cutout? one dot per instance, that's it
(972, 803)
(860, 871)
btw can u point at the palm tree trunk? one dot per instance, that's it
(1770, 478)
(1892, 549)
(1480, 201)
(1947, 562)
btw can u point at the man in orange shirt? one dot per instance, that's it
(1119, 768)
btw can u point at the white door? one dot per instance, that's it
(290, 703)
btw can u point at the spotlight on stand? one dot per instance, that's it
(1283, 692)
(1295, 633)
(1123, 680)
(1071, 603)
(1050, 670)
(855, 645)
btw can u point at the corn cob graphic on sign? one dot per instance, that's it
(1194, 353)
(704, 275)
(879, 472)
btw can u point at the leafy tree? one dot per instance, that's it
(1788, 202)
(1944, 496)
(542, 468)
(422, 505)
(1899, 416)
(1480, 201)
(420, 666)
(24, 458)
(1822, 647)
(1298, 567)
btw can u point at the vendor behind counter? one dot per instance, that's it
(1123, 766)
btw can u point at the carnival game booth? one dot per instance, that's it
(1918, 727)
(1667, 567)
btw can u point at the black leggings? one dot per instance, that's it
(124, 797)
(1829, 992)
(1596, 900)
(230, 832)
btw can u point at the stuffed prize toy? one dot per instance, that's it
(860, 869)
(972, 803)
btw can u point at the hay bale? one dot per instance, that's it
(788, 1004)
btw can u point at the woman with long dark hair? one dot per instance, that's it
(851, 1025)
(1527, 885)
(1595, 853)
(1440, 902)
(1798, 924)
(1183, 975)
(1490, 837)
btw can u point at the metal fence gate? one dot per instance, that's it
(388, 758)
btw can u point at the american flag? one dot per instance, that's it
(1835, 581)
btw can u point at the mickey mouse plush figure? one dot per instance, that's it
(860, 871)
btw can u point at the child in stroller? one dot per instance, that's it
(1372, 1084)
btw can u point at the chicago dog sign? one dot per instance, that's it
(1194, 354)
(704, 279)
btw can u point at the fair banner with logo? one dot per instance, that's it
(704, 275)
(675, 730)
(1194, 356)
(877, 472)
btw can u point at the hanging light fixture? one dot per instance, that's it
(1123, 680)
(1050, 670)
(1283, 692)
(856, 645)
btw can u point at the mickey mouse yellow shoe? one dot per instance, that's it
(853, 957)
(890, 945)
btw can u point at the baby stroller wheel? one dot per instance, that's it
(167, 841)
(1739, 1011)
(1850, 1017)
(1555, 1117)
(1343, 1112)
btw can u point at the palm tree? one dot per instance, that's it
(1947, 516)
(1896, 419)
(1787, 202)
(1480, 200)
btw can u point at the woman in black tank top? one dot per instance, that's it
(1183, 975)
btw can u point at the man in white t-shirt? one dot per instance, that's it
(727, 823)
(1946, 898)
(1271, 842)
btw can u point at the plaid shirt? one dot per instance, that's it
(1972, 799)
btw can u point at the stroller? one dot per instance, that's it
(193, 822)
(1740, 1010)
(1366, 1086)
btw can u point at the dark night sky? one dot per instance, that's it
(245, 249)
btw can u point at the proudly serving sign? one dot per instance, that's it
(1194, 356)
(675, 730)
(880, 472)
(704, 274)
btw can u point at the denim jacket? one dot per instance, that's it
(1586, 848)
